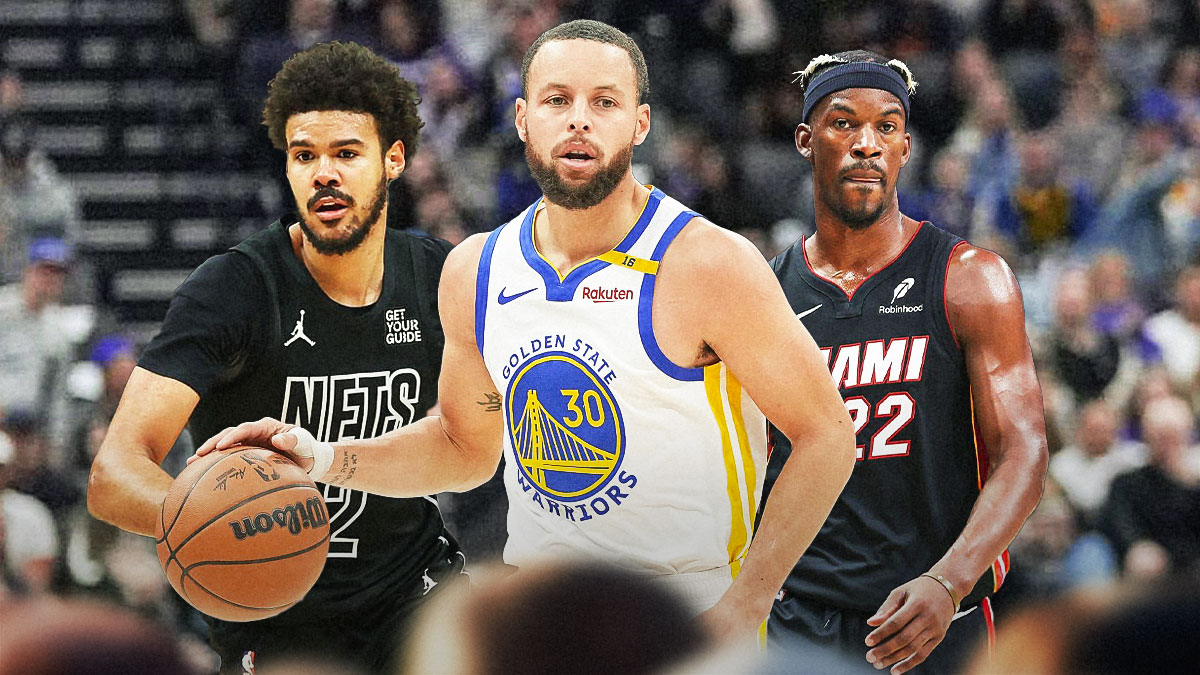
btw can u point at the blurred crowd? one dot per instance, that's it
(1064, 134)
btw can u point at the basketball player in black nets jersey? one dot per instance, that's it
(326, 319)
(924, 335)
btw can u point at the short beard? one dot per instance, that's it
(357, 236)
(855, 220)
(585, 196)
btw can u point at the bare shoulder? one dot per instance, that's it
(456, 293)
(981, 292)
(976, 275)
(464, 258)
(708, 254)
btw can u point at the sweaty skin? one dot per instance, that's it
(857, 144)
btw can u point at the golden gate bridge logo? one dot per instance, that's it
(566, 432)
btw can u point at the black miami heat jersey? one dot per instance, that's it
(253, 333)
(893, 356)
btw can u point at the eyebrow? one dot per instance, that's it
(603, 87)
(301, 143)
(892, 110)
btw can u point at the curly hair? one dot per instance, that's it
(596, 31)
(344, 76)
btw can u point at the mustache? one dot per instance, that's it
(560, 148)
(863, 165)
(328, 191)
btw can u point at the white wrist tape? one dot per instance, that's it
(320, 451)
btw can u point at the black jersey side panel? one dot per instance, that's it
(893, 357)
(343, 373)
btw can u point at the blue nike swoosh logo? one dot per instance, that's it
(505, 299)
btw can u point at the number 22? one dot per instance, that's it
(900, 407)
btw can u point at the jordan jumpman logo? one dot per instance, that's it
(298, 333)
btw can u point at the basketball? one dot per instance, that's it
(243, 534)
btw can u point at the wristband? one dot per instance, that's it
(949, 588)
(320, 452)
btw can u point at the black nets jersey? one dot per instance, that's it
(255, 336)
(894, 358)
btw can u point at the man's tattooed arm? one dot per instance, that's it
(491, 402)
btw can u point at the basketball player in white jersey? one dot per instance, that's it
(622, 351)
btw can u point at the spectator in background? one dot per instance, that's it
(1115, 630)
(1090, 105)
(57, 637)
(1157, 173)
(29, 549)
(555, 618)
(12, 92)
(1042, 550)
(1151, 513)
(1175, 335)
(1116, 309)
(451, 109)
(1040, 210)
(35, 343)
(1085, 469)
(40, 203)
(946, 201)
(1134, 47)
(1023, 35)
(1177, 92)
(524, 21)
(696, 169)
(115, 355)
(987, 137)
(30, 472)
(409, 34)
(116, 358)
(1085, 360)
(439, 216)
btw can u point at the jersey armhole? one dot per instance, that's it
(646, 307)
(481, 286)
(945, 283)
(272, 335)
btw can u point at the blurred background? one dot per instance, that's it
(1064, 134)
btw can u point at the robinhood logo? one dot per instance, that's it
(902, 289)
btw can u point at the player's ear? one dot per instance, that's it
(804, 141)
(393, 160)
(519, 119)
(907, 149)
(643, 124)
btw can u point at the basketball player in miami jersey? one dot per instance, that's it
(326, 319)
(925, 337)
(622, 351)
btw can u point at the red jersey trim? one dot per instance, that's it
(1002, 563)
(850, 295)
(946, 307)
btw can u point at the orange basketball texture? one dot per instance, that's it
(243, 534)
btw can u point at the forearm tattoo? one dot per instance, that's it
(492, 404)
(346, 471)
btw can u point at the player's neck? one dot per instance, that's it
(354, 279)
(849, 256)
(567, 237)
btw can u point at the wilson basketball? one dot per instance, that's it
(243, 534)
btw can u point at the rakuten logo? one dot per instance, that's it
(607, 294)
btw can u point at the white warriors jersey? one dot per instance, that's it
(612, 451)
